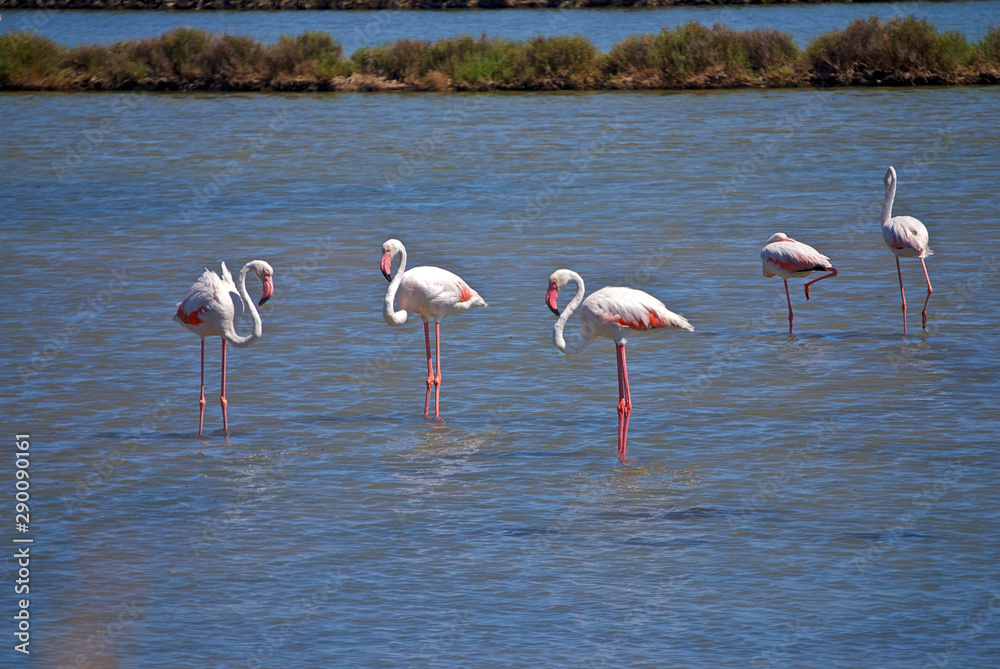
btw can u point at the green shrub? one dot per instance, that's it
(906, 45)
(401, 60)
(570, 60)
(28, 59)
(988, 48)
(307, 55)
(108, 67)
(693, 50)
(478, 61)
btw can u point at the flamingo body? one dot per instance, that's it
(784, 257)
(614, 313)
(617, 312)
(212, 303)
(906, 237)
(213, 307)
(433, 294)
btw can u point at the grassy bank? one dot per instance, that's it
(868, 52)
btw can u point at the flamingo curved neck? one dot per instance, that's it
(890, 195)
(580, 342)
(234, 337)
(389, 313)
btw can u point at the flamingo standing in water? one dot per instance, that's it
(614, 313)
(906, 237)
(783, 256)
(431, 292)
(213, 307)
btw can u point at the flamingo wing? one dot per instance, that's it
(435, 293)
(788, 258)
(906, 235)
(633, 309)
(209, 295)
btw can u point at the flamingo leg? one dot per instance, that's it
(430, 367)
(789, 298)
(201, 400)
(437, 379)
(222, 396)
(930, 290)
(901, 293)
(833, 272)
(621, 399)
(624, 400)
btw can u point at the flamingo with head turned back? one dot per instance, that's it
(906, 237)
(615, 313)
(430, 292)
(213, 307)
(783, 256)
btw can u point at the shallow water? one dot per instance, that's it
(822, 499)
(604, 27)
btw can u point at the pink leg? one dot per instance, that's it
(430, 368)
(628, 404)
(901, 293)
(930, 290)
(437, 379)
(833, 272)
(789, 298)
(621, 400)
(201, 400)
(222, 396)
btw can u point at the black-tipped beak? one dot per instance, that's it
(553, 310)
(263, 300)
(387, 276)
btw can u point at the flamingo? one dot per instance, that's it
(783, 256)
(906, 237)
(213, 307)
(431, 292)
(614, 313)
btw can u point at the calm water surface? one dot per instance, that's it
(823, 499)
(604, 27)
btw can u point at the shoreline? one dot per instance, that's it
(868, 52)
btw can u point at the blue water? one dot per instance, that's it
(822, 499)
(604, 27)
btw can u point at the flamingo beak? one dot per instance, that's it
(267, 290)
(552, 298)
(387, 265)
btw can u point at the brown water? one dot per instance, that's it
(822, 499)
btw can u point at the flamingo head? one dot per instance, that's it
(557, 280)
(389, 249)
(265, 273)
(779, 237)
(889, 178)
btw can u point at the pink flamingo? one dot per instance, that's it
(613, 313)
(213, 307)
(431, 292)
(783, 256)
(906, 237)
